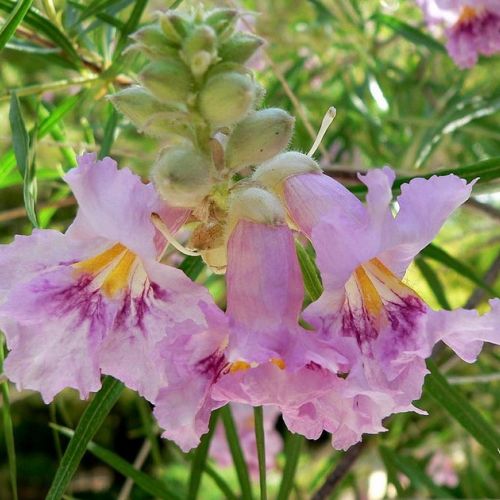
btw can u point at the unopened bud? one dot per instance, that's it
(174, 26)
(255, 204)
(272, 173)
(240, 47)
(136, 103)
(222, 20)
(168, 81)
(152, 41)
(227, 98)
(259, 137)
(165, 124)
(182, 176)
(199, 49)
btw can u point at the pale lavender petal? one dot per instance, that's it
(310, 196)
(465, 331)
(425, 205)
(113, 204)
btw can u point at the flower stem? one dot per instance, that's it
(292, 453)
(261, 449)
(236, 452)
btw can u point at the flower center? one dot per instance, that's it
(467, 14)
(112, 268)
(375, 299)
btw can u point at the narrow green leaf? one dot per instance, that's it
(459, 408)
(411, 33)
(312, 282)
(13, 21)
(8, 161)
(220, 482)
(236, 452)
(484, 169)
(293, 446)
(100, 15)
(458, 115)
(22, 152)
(109, 132)
(433, 252)
(130, 27)
(261, 449)
(8, 428)
(434, 282)
(42, 25)
(89, 424)
(147, 483)
(200, 458)
(392, 476)
(416, 475)
(95, 7)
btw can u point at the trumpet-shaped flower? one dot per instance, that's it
(96, 299)
(472, 27)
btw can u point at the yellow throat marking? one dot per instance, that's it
(119, 259)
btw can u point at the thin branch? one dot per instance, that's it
(490, 278)
(20, 212)
(138, 463)
(339, 472)
(484, 208)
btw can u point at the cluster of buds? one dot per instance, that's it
(197, 95)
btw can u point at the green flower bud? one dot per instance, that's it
(199, 49)
(240, 47)
(255, 204)
(272, 173)
(222, 21)
(168, 81)
(169, 123)
(259, 137)
(137, 104)
(174, 26)
(182, 176)
(152, 41)
(227, 98)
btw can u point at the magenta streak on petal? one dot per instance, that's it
(212, 366)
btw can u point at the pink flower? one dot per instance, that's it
(244, 419)
(96, 299)
(441, 470)
(472, 27)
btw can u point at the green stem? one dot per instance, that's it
(292, 452)
(8, 428)
(236, 452)
(200, 458)
(261, 449)
(44, 87)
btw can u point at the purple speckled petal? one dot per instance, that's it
(58, 325)
(193, 360)
(162, 302)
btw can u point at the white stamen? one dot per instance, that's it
(327, 121)
(162, 227)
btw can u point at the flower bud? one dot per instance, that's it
(255, 204)
(137, 104)
(153, 43)
(174, 26)
(168, 81)
(169, 123)
(272, 173)
(259, 137)
(222, 20)
(227, 98)
(199, 49)
(182, 176)
(240, 47)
